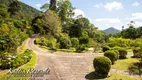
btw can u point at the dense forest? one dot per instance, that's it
(59, 29)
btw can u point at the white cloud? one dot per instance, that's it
(78, 12)
(138, 24)
(135, 16)
(107, 24)
(136, 4)
(108, 20)
(98, 5)
(38, 5)
(114, 5)
(135, 24)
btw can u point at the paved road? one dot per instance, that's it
(63, 66)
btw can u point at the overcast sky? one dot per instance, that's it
(104, 13)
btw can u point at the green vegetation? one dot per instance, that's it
(122, 53)
(123, 64)
(21, 49)
(105, 48)
(12, 61)
(59, 31)
(102, 66)
(26, 12)
(29, 65)
(111, 55)
(75, 42)
(115, 76)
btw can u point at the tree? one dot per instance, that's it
(131, 30)
(52, 23)
(3, 12)
(15, 7)
(53, 5)
(44, 7)
(80, 25)
(49, 24)
(64, 10)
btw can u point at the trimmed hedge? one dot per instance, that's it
(102, 66)
(105, 48)
(136, 52)
(113, 56)
(122, 53)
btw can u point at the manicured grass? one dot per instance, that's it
(21, 49)
(123, 64)
(121, 77)
(30, 64)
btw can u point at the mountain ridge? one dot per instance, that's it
(111, 30)
(28, 11)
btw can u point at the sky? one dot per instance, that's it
(104, 13)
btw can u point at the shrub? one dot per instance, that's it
(111, 44)
(111, 55)
(52, 44)
(12, 61)
(122, 53)
(116, 48)
(116, 51)
(84, 40)
(80, 48)
(105, 48)
(135, 68)
(75, 42)
(136, 52)
(102, 66)
(65, 43)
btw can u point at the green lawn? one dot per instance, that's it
(27, 66)
(21, 49)
(121, 77)
(123, 64)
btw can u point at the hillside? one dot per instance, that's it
(27, 11)
(111, 30)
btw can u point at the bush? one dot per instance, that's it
(52, 44)
(80, 48)
(136, 52)
(111, 44)
(122, 54)
(84, 40)
(135, 68)
(12, 61)
(116, 48)
(116, 51)
(75, 42)
(65, 43)
(111, 55)
(105, 48)
(102, 66)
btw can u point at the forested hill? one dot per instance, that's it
(111, 30)
(27, 11)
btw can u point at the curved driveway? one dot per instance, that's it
(62, 66)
